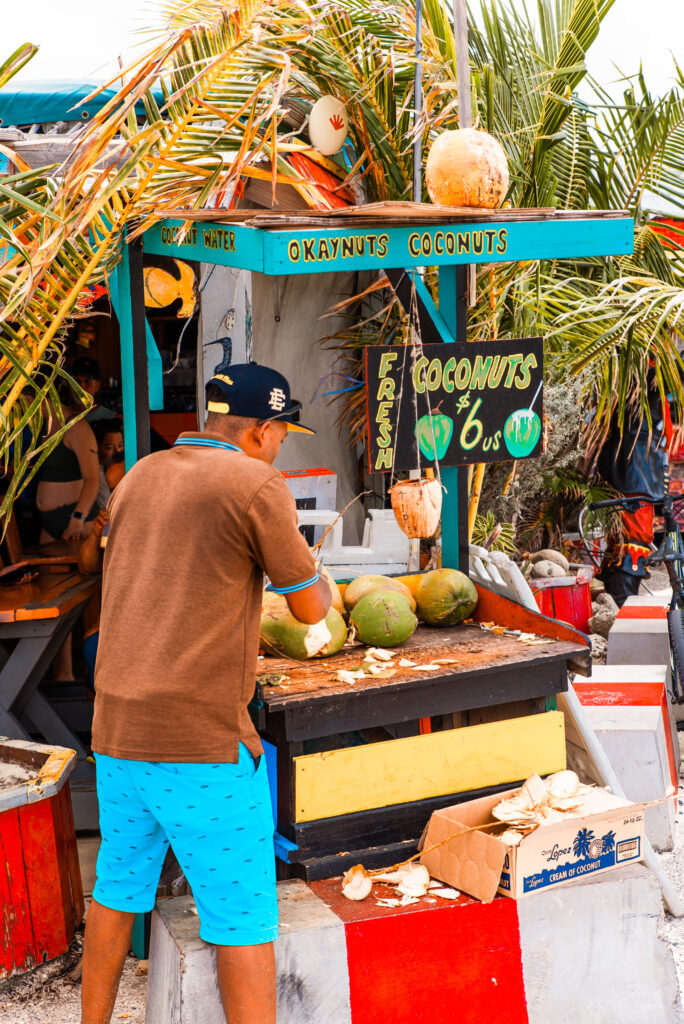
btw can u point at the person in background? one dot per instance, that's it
(110, 447)
(90, 562)
(86, 373)
(69, 478)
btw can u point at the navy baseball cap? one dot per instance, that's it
(257, 392)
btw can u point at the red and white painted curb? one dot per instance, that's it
(573, 952)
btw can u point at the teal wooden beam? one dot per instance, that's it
(452, 308)
(121, 300)
(438, 320)
(155, 373)
(316, 251)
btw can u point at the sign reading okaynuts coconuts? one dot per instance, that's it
(454, 403)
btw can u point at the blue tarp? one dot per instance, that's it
(43, 102)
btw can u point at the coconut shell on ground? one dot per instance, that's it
(364, 585)
(467, 167)
(280, 633)
(383, 618)
(445, 597)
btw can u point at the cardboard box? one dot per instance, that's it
(608, 833)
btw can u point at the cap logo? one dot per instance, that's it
(277, 399)
(222, 376)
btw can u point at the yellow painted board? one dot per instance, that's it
(418, 767)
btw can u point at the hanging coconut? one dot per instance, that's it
(417, 506)
(328, 125)
(467, 167)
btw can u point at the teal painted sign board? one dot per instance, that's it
(318, 252)
(456, 404)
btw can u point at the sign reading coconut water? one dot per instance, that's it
(457, 404)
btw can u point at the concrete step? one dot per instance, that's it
(589, 950)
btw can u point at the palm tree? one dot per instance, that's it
(583, 841)
(238, 80)
(608, 842)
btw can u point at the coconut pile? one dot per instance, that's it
(378, 611)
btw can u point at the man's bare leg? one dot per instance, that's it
(247, 983)
(107, 941)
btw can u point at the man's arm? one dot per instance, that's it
(90, 552)
(312, 604)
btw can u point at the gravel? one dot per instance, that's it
(47, 996)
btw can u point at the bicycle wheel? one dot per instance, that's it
(675, 629)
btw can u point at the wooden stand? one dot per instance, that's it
(361, 768)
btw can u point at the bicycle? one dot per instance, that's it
(670, 553)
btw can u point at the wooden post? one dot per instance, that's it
(452, 306)
(132, 328)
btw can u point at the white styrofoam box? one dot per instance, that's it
(312, 489)
(384, 549)
(633, 739)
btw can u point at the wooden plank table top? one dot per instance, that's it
(49, 596)
(473, 650)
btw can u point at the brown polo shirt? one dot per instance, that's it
(192, 530)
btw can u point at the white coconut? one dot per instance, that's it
(510, 837)
(328, 125)
(356, 883)
(467, 167)
(563, 784)
(317, 637)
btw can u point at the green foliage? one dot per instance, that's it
(494, 536)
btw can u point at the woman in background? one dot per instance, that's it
(69, 479)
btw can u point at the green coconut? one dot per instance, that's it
(445, 597)
(384, 618)
(281, 633)
(337, 602)
(364, 585)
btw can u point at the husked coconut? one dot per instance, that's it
(549, 555)
(417, 505)
(356, 883)
(563, 784)
(467, 167)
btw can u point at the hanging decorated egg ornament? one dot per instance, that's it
(328, 125)
(467, 167)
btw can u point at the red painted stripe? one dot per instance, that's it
(17, 949)
(642, 611)
(629, 694)
(42, 878)
(459, 963)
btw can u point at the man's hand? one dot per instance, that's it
(76, 530)
(310, 605)
(99, 523)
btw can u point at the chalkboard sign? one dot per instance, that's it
(460, 404)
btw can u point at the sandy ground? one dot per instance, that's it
(14, 775)
(45, 996)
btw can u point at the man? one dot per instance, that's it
(86, 373)
(192, 530)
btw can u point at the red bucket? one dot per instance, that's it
(564, 598)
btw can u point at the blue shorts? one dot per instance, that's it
(217, 818)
